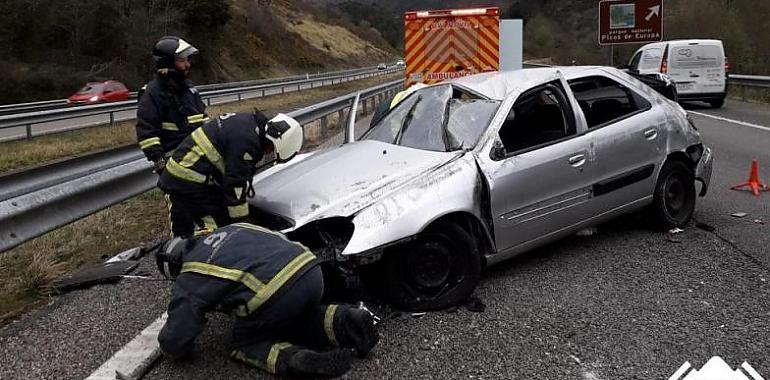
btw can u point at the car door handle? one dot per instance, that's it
(694, 76)
(577, 160)
(651, 134)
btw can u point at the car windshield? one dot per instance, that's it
(438, 118)
(91, 88)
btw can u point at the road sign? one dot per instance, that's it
(630, 21)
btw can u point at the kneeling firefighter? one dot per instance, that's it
(273, 287)
(208, 177)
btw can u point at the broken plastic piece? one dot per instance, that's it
(739, 214)
(675, 231)
(129, 254)
(759, 221)
(418, 315)
(587, 231)
(95, 274)
(475, 305)
(705, 227)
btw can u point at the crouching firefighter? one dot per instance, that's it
(208, 177)
(273, 287)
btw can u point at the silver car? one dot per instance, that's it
(470, 172)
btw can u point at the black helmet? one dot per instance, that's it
(168, 48)
(169, 256)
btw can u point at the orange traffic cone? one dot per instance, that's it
(753, 182)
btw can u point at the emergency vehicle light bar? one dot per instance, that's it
(456, 12)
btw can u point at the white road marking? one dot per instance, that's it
(743, 123)
(681, 371)
(135, 357)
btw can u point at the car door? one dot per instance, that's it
(539, 168)
(628, 135)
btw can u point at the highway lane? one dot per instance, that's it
(627, 302)
(104, 120)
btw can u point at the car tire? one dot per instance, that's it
(718, 103)
(674, 197)
(437, 270)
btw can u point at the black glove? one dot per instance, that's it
(159, 165)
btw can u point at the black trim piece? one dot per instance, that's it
(623, 180)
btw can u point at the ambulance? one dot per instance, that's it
(446, 44)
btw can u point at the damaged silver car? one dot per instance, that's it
(470, 172)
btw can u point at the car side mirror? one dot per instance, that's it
(498, 151)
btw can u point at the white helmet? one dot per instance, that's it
(286, 135)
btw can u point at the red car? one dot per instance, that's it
(98, 92)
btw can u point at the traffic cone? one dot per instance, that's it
(753, 182)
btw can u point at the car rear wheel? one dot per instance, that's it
(437, 270)
(674, 198)
(718, 103)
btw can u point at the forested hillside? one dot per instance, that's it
(49, 48)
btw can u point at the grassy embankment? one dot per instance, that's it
(27, 272)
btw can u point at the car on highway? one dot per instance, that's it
(698, 68)
(382, 66)
(100, 92)
(400, 63)
(473, 171)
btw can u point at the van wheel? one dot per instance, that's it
(717, 103)
(674, 197)
(437, 270)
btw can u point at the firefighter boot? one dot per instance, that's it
(355, 329)
(308, 363)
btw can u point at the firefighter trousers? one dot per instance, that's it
(294, 321)
(196, 212)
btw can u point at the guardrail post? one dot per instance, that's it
(239, 96)
(324, 127)
(366, 109)
(299, 87)
(29, 131)
(341, 118)
(263, 93)
(112, 118)
(283, 90)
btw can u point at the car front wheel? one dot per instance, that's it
(674, 197)
(437, 270)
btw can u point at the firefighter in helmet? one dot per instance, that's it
(208, 177)
(170, 107)
(273, 287)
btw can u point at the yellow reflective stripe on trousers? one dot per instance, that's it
(245, 278)
(272, 358)
(279, 280)
(238, 211)
(184, 173)
(191, 157)
(169, 126)
(329, 324)
(211, 153)
(146, 143)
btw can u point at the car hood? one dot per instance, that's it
(342, 180)
(80, 96)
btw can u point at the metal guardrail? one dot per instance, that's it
(42, 200)
(240, 91)
(8, 109)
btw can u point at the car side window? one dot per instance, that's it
(540, 117)
(604, 101)
(634, 63)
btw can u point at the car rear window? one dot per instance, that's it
(696, 57)
(91, 89)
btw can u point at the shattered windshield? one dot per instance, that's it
(438, 118)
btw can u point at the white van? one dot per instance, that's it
(699, 68)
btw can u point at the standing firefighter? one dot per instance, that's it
(273, 287)
(170, 108)
(208, 177)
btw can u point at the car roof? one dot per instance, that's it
(690, 41)
(498, 85)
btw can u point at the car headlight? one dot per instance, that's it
(93, 98)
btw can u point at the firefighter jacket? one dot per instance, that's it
(168, 112)
(222, 154)
(236, 269)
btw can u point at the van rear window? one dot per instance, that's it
(696, 57)
(651, 59)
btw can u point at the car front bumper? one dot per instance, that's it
(703, 170)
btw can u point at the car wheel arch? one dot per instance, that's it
(471, 224)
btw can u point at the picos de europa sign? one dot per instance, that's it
(630, 21)
(446, 44)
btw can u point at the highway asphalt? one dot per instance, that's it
(628, 302)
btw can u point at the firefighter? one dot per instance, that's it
(208, 177)
(170, 108)
(273, 287)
